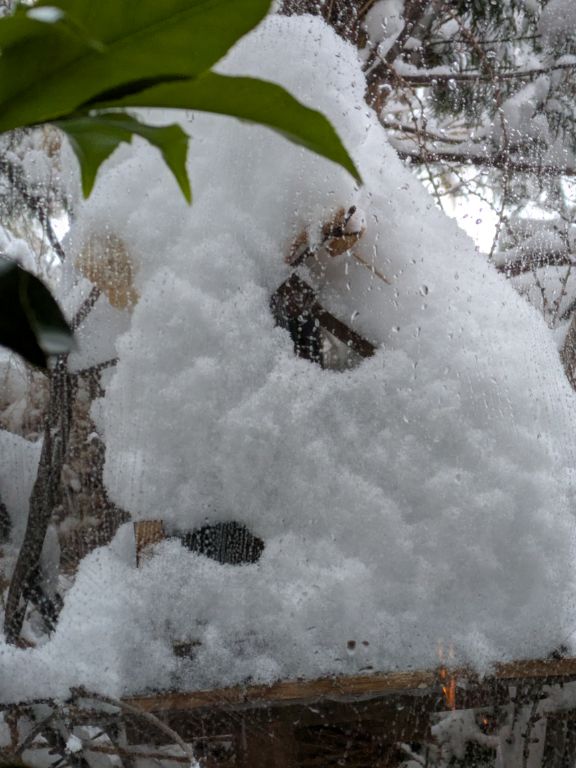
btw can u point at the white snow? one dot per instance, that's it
(424, 496)
(47, 15)
(74, 744)
(557, 22)
(384, 22)
(524, 122)
(18, 463)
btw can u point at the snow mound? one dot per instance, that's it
(423, 497)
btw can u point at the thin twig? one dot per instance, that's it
(86, 307)
(95, 369)
(424, 134)
(423, 79)
(55, 244)
(147, 716)
(44, 495)
(371, 267)
(487, 161)
(36, 731)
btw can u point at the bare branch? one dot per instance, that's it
(43, 498)
(536, 260)
(134, 710)
(93, 370)
(423, 79)
(85, 308)
(420, 133)
(498, 160)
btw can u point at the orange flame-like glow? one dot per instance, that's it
(447, 679)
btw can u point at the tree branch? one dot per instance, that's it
(420, 133)
(150, 718)
(379, 69)
(531, 261)
(422, 78)
(85, 308)
(499, 161)
(44, 496)
(36, 204)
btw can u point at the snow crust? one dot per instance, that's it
(423, 497)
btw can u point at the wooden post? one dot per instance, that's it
(262, 744)
(147, 533)
(560, 744)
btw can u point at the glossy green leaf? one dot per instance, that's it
(48, 69)
(31, 322)
(249, 99)
(94, 138)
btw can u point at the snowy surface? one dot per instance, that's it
(423, 497)
(18, 464)
(557, 22)
(384, 22)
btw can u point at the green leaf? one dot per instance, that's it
(249, 99)
(48, 69)
(94, 138)
(31, 322)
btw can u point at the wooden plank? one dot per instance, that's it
(290, 691)
(147, 533)
(409, 716)
(296, 298)
(355, 688)
(550, 669)
(343, 333)
(266, 745)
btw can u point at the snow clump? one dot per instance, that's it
(424, 496)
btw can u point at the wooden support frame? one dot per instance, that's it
(300, 723)
(364, 687)
(311, 723)
(296, 723)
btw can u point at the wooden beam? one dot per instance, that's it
(272, 745)
(355, 688)
(147, 533)
(296, 298)
(555, 670)
(289, 692)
